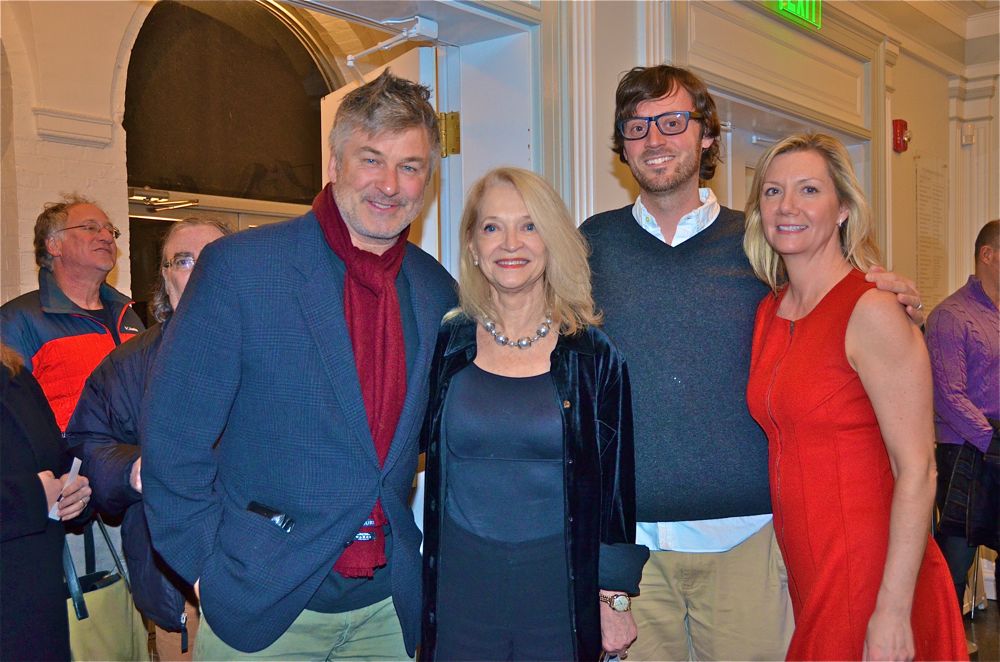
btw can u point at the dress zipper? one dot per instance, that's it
(778, 444)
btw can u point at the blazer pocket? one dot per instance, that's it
(250, 539)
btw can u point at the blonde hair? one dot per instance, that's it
(10, 359)
(857, 233)
(567, 273)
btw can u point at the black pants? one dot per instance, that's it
(502, 601)
(979, 492)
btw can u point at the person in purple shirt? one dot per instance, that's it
(963, 335)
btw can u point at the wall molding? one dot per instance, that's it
(884, 87)
(909, 44)
(964, 92)
(66, 126)
(653, 29)
(579, 35)
(802, 74)
(973, 168)
(982, 25)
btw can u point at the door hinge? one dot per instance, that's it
(451, 138)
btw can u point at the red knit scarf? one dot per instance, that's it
(371, 308)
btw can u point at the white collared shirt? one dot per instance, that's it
(690, 224)
(711, 535)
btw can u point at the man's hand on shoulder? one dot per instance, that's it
(905, 290)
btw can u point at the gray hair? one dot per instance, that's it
(388, 103)
(159, 305)
(51, 220)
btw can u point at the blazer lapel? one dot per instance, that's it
(416, 382)
(321, 300)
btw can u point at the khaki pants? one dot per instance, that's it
(168, 644)
(731, 605)
(369, 633)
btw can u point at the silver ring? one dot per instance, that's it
(920, 306)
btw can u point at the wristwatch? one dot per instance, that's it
(618, 601)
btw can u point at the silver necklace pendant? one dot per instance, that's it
(521, 343)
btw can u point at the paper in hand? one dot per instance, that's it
(74, 471)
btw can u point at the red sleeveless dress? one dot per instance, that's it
(831, 486)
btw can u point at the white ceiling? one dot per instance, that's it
(459, 23)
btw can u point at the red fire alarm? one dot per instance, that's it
(900, 136)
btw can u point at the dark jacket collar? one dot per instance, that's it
(54, 300)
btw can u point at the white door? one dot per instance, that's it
(487, 64)
(418, 65)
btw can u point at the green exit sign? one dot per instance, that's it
(803, 12)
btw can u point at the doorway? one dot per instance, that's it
(749, 129)
(223, 115)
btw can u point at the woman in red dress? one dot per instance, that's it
(841, 383)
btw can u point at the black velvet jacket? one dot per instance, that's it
(591, 380)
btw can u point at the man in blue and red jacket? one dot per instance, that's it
(74, 319)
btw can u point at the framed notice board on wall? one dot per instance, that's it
(932, 225)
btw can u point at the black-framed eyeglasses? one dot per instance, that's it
(95, 229)
(669, 124)
(182, 262)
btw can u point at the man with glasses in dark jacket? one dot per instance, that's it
(104, 433)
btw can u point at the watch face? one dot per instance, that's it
(620, 603)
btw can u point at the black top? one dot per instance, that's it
(505, 455)
(593, 399)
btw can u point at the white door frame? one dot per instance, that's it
(488, 70)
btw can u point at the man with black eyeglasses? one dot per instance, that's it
(104, 433)
(679, 297)
(74, 319)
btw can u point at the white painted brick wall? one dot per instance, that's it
(45, 168)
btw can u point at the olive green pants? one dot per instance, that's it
(369, 633)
